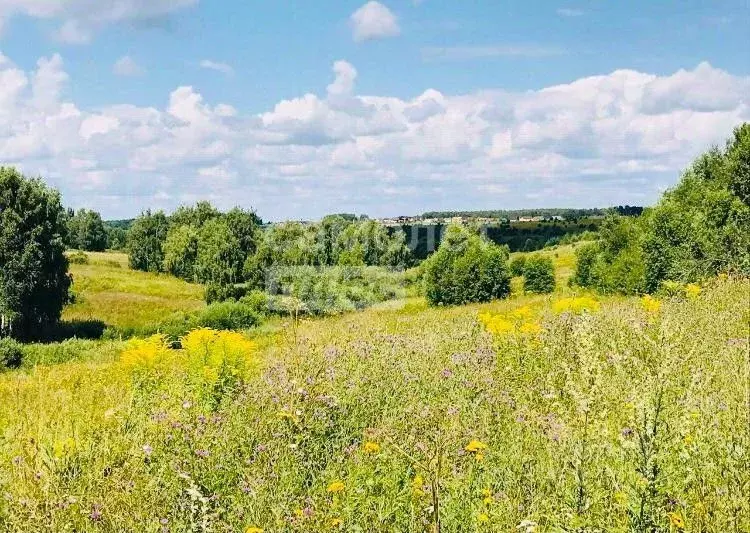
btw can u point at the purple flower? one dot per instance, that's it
(147, 449)
(96, 512)
(626, 432)
(202, 453)
(446, 373)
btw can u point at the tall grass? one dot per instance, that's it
(621, 416)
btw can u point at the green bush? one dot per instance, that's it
(466, 268)
(539, 275)
(517, 265)
(78, 258)
(228, 315)
(11, 354)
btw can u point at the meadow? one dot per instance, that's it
(565, 412)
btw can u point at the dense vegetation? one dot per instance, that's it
(698, 229)
(466, 268)
(34, 278)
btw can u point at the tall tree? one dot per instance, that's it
(145, 239)
(34, 279)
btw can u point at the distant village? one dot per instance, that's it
(484, 221)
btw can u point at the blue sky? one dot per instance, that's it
(413, 105)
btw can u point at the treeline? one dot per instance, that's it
(519, 237)
(699, 228)
(88, 232)
(231, 253)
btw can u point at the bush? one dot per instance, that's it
(539, 275)
(466, 268)
(517, 265)
(78, 258)
(11, 354)
(228, 315)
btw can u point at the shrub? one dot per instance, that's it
(539, 275)
(11, 354)
(517, 265)
(228, 315)
(78, 258)
(466, 268)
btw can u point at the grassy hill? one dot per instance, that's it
(106, 289)
(518, 415)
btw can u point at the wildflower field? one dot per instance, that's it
(565, 412)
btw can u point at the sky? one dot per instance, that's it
(298, 109)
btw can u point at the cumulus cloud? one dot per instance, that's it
(127, 66)
(610, 139)
(79, 20)
(374, 21)
(217, 66)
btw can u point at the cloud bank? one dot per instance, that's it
(615, 138)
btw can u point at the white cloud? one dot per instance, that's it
(610, 139)
(217, 66)
(80, 19)
(374, 21)
(127, 66)
(346, 74)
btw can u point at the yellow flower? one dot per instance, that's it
(530, 328)
(576, 305)
(475, 446)
(371, 447)
(63, 448)
(487, 497)
(417, 486)
(650, 304)
(688, 440)
(336, 486)
(479, 457)
(676, 520)
(621, 497)
(483, 518)
(692, 290)
(336, 522)
(522, 313)
(253, 529)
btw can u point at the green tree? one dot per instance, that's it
(466, 268)
(517, 264)
(34, 279)
(219, 260)
(180, 251)
(196, 215)
(539, 275)
(145, 239)
(86, 231)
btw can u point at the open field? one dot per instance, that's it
(107, 290)
(624, 418)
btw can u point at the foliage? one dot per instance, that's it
(11, 354)
(181, 251)
(538, 274)
(145, 238)
(34, 278)
(698, 229)
(701, 226)
(331, 290)
(517, 264)
(86, 231)
(78, 258)
(615, 263)
(466, 269)
(219, 259)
